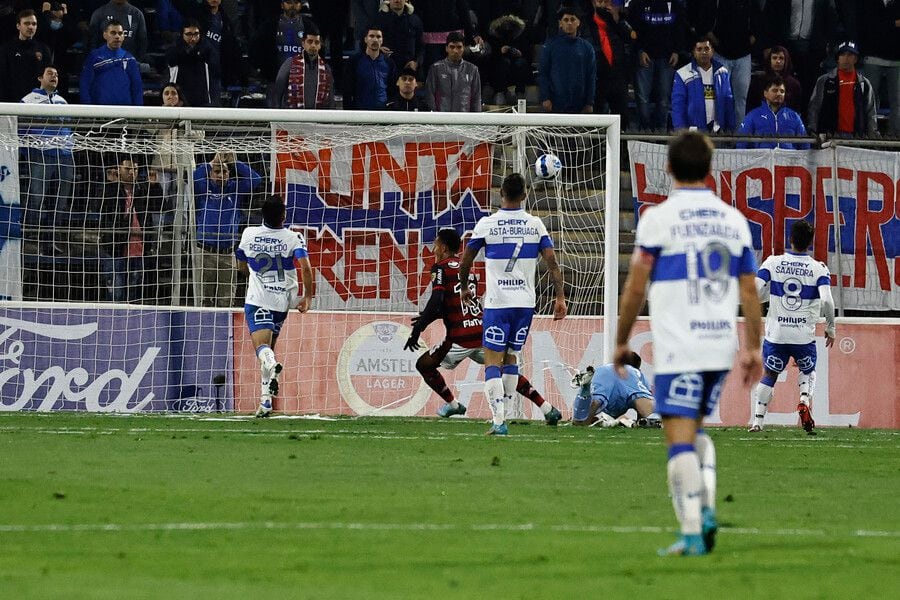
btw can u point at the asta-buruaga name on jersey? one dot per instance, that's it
(270, 254)
(512, 240)
(794, 297)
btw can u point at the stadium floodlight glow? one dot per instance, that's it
(369, 190)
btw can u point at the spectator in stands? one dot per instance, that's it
(773, 118)
(777, 61)
(407, 99)
(124, 208)
(51, 168)
(805, 28)
(368, 75)
(129, 17)
(879, 41)
(194, 65)
(701, 93)
(659, 26)
(609, 34)
(56, 29)
(732, 27)
(110, 74)
(454, 84)
(402, 31)
(439, 18)
(842, 101)
(333, 19)
(363, 14)
(218, 28)
(279, 39)
(220, 203)
(305, 81)
(22, 59)
(567, 73)
(510, 62)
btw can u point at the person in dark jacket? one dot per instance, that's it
(407, 99)
(842, 101)
(368, 76)
(777, 61)
(22, 59)
(660, 31)
(110, 74)
(440, 17)
(279, 39)
(218, 29)
(609, 34)
(59, 32)
(510, 62)
(305, 80)
(402, 31)
(132, 20)
(567, 74)
(194, 65)
(879, 41)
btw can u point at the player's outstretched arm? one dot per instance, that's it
(559, 305)
(633, 293)
(308, 287)
(431, 312)
(750, 361)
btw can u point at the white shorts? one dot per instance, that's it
(456, 354)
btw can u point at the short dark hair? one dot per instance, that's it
(450, 238)
(700, 39)
(112, 23)
(633, 359)
(273, 211)
(690, 156)
(455, 36)
(801, 235)
(24, 14)
(774, 80)
(513, 187)
(191, 23)
(312, 29)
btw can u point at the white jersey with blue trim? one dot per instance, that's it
(701, 246)
(512, 240)
(794, 298)
(270, 254)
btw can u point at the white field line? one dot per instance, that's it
(780, 442)
(350, 526)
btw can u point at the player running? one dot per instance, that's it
(799, 290)
(695, 252)
(270, 255)
(604, 397)
(464, 330)
(512, 240)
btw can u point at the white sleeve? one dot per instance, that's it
(827, 308)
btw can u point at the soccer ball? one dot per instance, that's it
(547, 166)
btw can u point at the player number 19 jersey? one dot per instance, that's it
(270, 254)
(512, 240)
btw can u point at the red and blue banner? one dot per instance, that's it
(774, 188)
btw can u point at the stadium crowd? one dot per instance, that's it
(752, 67)
(467, 54)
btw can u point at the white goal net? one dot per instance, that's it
(119, 226)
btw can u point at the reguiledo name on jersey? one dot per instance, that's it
(270, 254)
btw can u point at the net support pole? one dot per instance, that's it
(836, 212)
(611, 246)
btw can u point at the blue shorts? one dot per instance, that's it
(263, 318)
(776, 356)
(506, 328)
(689, 395)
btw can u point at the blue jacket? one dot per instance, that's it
(688, 104)
(111, 77)
(219, 217)
(567, 74)
(762, 121)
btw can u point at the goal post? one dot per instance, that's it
(369, 190)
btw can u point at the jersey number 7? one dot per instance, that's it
(519, 242)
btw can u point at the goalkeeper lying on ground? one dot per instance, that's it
(605, 398)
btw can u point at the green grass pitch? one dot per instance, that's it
(162, 507)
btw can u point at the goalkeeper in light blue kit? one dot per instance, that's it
(270, 255)
(604, 398)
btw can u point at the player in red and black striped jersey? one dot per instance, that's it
(464, 329)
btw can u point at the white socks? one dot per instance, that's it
(706, 453)
(685, 485)
(493, 392)
(763, 395)
(807, 387)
